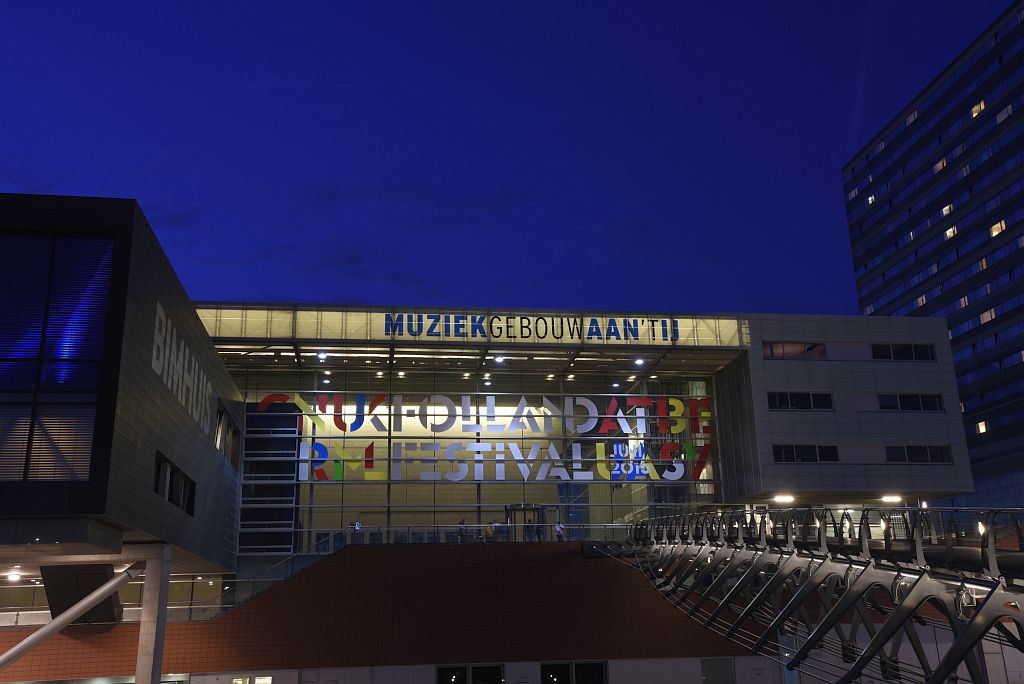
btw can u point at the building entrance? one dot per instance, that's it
(531, 522)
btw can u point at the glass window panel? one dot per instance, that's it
(78, 299)
(917, 454)
(895, 454)
(307, 324)
(488, 674)
(793, 350)
(910, 402)
(230, 323)
(62, 442)
(815, 350)
(889, 402)
(828, 453)
(940, 454)
(903, 352)
(589, 673)
(766, 350)
(451, 675)
(70, 376)
(26, 266)
(255, 322)
(822, 401)
(931, 402)
(773, 400)
(778, 350)
(281, 323)
(18, 376)
(881, 351)
(14, 422)
(806, 453)
(800, 401)
(924, 352)
(555, 672)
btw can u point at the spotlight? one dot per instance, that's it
(615, 384)
(891, 498)
(499, 359)
(327, 372)
(783, 498)
(639, 362)
(13, 577)
(321, 355)
(327, 381)
(487, 382)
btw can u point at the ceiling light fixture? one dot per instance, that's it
(783, 498)
(321, 355)
(639, 362)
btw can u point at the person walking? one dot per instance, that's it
(559, 530)
(462, 530)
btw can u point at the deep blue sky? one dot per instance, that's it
(635, 156)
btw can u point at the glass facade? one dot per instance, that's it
(440, 455)
(53, 306)
(551, 426)
(936, 217)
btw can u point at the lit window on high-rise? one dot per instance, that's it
(998, 228)
(871, 199)
(912, 118)
(939, 165)
(977, 109)
(987, 316)
(964, 301)
(950, 232)
(947, 210)
(1003, 113)
(982, 427)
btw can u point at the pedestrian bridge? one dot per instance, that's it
(842, 594)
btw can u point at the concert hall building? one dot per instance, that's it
(402, 494)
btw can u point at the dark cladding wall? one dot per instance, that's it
(175, 404)
(93, 248)
(737, 439)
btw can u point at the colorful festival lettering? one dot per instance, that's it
(496, 438)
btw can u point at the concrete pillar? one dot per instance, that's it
(154, 617)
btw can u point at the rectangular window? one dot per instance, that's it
(806, 453)
(800, 401)
(997, 228)
(828, 453)
(821, 401)
(947, 210)
(888, 402)
(982, 427)
(977, 109)
(940, 454)
(902, 352)
(950, 232)
(924, 352)
(895, 454)
(173, 485)
(987, 316)
(910, 402)
(783, 453)
(939, 165)
(912, 117)
(871, 199)
(931, 402)
(1003, 113)
(793, 350)
(917, 454)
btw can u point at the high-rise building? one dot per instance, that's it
(935, 205)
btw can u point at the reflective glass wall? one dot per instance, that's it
(433, 454)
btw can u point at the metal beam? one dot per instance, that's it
(69, 615)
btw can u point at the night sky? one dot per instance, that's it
(646, 156)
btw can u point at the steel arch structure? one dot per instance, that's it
(841, 594)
